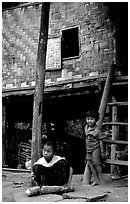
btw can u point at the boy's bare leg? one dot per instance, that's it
(86, 176)
(99, 171)
(94, 172)
(98, 167)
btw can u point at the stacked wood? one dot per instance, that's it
(24, 152)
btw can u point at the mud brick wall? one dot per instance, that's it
(20, 42)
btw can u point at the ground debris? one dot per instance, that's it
(21, 182)
(17, 184)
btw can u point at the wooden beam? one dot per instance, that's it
(39, 87)
(119, 83)
(3, 134)
(105, 95)
(115, 134)
(52, 88)
(115, 123)
(117, 104)
(115, 141)
(116, 162)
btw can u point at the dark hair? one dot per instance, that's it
(93, 113)
(50, 143)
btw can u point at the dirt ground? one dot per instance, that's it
(15, 182)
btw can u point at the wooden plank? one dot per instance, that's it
(53, 55)
(115, 141)
(119, 83)
(115, 123)
(118, 104)
(116, 162)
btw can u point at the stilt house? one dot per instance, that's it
(84, 40)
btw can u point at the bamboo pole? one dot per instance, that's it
(39, 87)
(105, 95)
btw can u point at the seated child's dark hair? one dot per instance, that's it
(50, 143)
(93, 113)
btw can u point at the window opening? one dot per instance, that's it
(70, 43)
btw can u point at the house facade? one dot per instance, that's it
(81, 48)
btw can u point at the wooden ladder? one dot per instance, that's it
(117, 86)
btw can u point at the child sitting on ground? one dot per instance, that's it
(94, 149)
(52, 170)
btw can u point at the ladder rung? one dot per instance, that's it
(121, 78)
(116, 162)
(118, 104)
(119, 83)
(114, 123)
(115, 141)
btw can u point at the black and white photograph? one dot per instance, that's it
(64, 101)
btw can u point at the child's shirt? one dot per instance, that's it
(93, 136)
(43, 162)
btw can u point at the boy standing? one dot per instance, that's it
(94, 149)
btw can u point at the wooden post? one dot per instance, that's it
(105, 95)
(39, 87)
(3, 134)
(115, 133)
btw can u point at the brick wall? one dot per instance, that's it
(20, 41)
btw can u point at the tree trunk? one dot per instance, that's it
(39, 87)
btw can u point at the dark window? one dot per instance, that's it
(70, 43)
